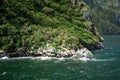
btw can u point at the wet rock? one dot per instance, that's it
(50, 54)
(52, 50)
(40, 50)
(72, 52)
(100, 45)
(21, 50)
(13, 55)
(19, 53)
(84, 52)
(101, 39)
(2, 53)
(87, 53)
(94, 47)
(65, 52)
(35, 54)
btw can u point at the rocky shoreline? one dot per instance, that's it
(53, 35)
(49, 51)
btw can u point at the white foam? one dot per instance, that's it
(62, 58)
(22, 58)
(45, 58)
(85, 59)
(3, 73)
(112, 59)
(3, 58)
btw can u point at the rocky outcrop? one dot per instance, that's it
(2, 53)
(63, 52)
(94, 47)
(99, 9)
(50, 51)
(84, 52)
(92, 28)
(65, 25)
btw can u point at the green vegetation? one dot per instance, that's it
(106, 15)
(33, 23)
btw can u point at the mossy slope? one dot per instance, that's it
(34, 23)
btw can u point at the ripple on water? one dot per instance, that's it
(111, 73)
(101, 60)
(71, 68)
(3, 73)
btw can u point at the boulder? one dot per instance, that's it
(2, 53)
(50, 54)
(50, 49)
(72, 52)
(100, 45)
(40, 50)
(87, 53)
(84, 52)
(65, 52)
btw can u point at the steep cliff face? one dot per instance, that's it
(106, 15)
(108, 3)
(33, 23)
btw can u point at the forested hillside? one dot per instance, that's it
(34, 23)
(106, 15)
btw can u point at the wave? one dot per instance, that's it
(100, 60)
(44, 58)
(3, 58)
(60, 58)
(40, 58)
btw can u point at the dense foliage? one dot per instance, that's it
(33, 23)
(106, 15)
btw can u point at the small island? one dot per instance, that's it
(53, 28)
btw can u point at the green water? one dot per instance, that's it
(105, 67)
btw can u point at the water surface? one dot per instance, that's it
(106, 66)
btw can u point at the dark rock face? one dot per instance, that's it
(105, 15)
(93, 29)
(87, 16)
(95, 47)
(2, 55)
(20, 52)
